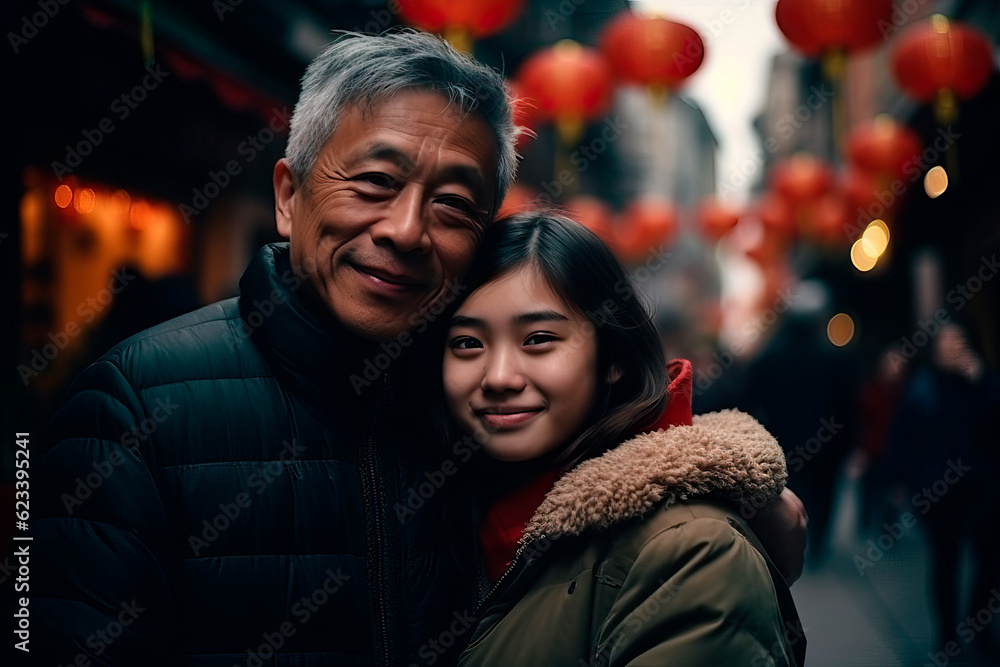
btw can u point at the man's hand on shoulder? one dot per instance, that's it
(781, 528)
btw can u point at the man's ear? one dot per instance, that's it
(614, 374)
(285, 189)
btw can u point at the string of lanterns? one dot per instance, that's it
(808, 199)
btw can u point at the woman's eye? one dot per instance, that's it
(540, 338)
(465, 343)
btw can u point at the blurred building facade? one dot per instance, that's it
(947, 236)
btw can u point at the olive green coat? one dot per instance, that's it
(621, 566)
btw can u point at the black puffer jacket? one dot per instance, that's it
(219, 489)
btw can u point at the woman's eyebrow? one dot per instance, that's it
(523, 318)
(539, 316)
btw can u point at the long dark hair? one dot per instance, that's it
(584, 272)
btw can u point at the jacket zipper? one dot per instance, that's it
(377, 568)
(499, 582)
(495, 588)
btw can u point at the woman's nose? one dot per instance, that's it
(503, 372)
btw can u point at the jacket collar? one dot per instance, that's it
(298, 335)
(727, 454)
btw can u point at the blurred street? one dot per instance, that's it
(882, 618)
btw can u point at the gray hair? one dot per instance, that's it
(360, 70)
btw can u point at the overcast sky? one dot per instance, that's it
(740, 38)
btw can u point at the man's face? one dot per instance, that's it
(391, 213)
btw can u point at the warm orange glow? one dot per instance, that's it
(32, 207)
(32, 223)
(84, 200)
(936, 182)
(120, 202)
(840, 329)
(140, 214)
(64, 196)
(862, 259)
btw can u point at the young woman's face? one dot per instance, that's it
(520, 367)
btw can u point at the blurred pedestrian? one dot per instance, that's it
(877, 400)
(943, 450)
(804, 391)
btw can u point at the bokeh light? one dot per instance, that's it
(840, 329)
(936, 182)
(863, 258)
(876, 238)
(84, 200)
(64, 196)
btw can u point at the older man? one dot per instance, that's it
(218, 489)
(225, 488)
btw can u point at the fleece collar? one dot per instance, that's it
(727, 454)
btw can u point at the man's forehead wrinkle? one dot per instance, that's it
(379, 150)
(434, 147)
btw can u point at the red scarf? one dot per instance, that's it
(504, 522)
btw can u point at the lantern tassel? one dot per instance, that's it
(146, 33)
(459, 38)
(834, 69)
(569, 129)
(946, 114)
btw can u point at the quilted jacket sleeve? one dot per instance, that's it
(98, 584)
(697, 594)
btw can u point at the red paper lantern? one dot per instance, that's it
(460, 22)
(769, 249)
(777, 215)
(830, 30)
(570, 83)
(716, 219)
(883, 146)
(593, 214)
(830, 221)
(801, 178)
(938, 60)
(869, 198)
(652, 51)
(818, 27)
(647, 223)
(860, 188)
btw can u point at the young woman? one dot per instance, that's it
(604, 544)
